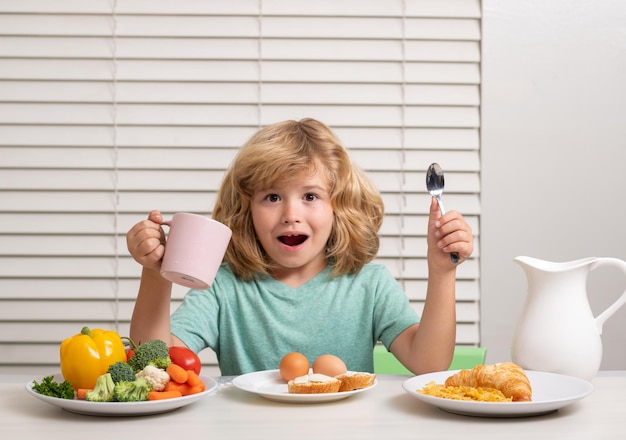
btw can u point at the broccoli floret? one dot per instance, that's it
(155, 352)
(121, 372)
(135, 391)
(103, 390)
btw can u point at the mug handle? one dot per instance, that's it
(602, 317)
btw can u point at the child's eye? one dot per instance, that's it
(310, 197)
(272, 198)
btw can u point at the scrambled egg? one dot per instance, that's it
(464, 393)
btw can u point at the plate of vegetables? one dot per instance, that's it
(151, 379)
(113, 408)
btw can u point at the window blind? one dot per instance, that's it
(109, 109)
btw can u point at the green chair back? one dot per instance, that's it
(464, 358)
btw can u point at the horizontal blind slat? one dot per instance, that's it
(424, 8)
(51, 289)
(206, 160)
(414, 268)
(428, 138)
(241, 71)
(94, 201)
(352, 27)
(237, 49)
(101, 136)
(171, 114)
(467, 312)
(240, 93)
(90, 311)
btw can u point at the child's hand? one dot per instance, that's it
(146, 241)
(448, 234)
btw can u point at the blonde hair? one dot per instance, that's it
(276, 154)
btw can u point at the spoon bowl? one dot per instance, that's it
(435, 183)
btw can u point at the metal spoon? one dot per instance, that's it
(434, 184)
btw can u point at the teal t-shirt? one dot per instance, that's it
(252, 325)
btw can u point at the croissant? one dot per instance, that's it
(507, 377)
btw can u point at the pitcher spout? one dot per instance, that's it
(551, 266)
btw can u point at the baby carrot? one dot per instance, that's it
(182, 388)
(81, 393)
(161, 395)
(193, 379)
(177, 373)
(196, 389)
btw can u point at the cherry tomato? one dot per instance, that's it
(129, 354)
(186, 358)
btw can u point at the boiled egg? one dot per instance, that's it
(293, 365)
(329, 365)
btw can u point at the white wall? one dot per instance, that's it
(553, 154)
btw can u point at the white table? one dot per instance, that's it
(386, 412)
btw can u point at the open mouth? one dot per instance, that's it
(292, 240)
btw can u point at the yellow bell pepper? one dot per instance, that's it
(88, 355)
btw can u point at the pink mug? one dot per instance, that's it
(194, 250)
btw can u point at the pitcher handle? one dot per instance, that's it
(602, 317)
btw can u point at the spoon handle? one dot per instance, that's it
(454, 256)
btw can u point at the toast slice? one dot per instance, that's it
(355, 380)
(314, 384)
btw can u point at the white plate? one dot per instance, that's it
(121, 408)
(270, 385)
(551, 391)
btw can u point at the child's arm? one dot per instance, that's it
(429, 345)
(151, 315)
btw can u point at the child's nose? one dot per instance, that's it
(291, 213)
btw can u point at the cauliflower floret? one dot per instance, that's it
(155, 376)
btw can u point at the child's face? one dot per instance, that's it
(293, 222)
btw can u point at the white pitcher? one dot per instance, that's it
(557, 331)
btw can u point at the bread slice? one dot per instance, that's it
(313, 384)
(355, 380)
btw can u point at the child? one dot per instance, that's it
(297, 275)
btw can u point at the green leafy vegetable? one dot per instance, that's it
(48, 387)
